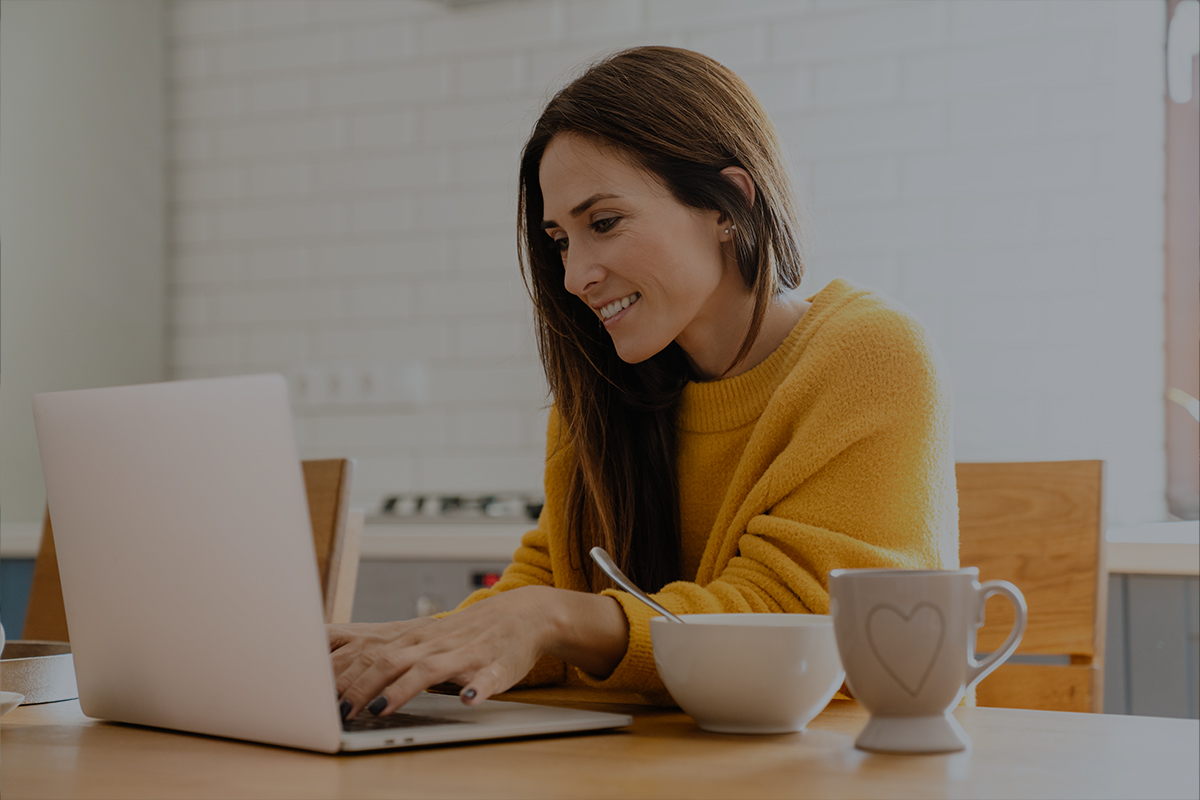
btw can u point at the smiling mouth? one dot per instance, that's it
(617, 306)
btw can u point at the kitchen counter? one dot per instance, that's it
(1171, 548)
(1155, 548)
(442, 541)
(1161, 548)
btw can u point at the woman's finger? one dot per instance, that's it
(430, 660)
(347, 658)
(481, 681)
(350, 674)
(399, 680)
(487, 647)
(350, 660)
(491, 680)
(378, 666)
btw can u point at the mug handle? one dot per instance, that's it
(978, 670)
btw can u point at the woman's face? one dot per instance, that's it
(651, 269)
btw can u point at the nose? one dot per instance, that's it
(581, 271)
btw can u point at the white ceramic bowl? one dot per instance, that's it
(749, 673)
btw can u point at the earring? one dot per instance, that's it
(727, 231)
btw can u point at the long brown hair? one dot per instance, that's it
(682, 117)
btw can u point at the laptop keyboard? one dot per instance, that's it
(366, 722)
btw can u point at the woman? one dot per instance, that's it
(726, 441)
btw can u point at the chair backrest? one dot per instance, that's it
(1039, 526)
(327, 483)
(335, 539)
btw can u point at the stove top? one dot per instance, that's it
(431, 508)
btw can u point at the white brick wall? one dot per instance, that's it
(344, 201)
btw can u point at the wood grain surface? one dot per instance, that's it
(1039, 526)
(53, 751)
(45, 616)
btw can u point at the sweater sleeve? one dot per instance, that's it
(856, 471)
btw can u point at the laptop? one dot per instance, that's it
(189, 577)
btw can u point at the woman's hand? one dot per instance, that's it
(485, 648)
(348, 642)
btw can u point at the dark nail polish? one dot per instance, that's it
(377, 705)
(345, 709)
(469, 694)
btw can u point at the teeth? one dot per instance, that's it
(617, 305)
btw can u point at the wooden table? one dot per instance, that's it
(53, 751)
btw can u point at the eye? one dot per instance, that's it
(604, 225)
(557, 241)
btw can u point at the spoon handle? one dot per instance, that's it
(601, 557)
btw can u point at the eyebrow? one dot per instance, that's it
(579, 209)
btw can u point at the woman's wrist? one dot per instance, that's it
(585, 630)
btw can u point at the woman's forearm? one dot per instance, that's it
(589, 630)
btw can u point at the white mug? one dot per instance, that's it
(907, 642)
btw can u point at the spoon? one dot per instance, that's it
(605, 561)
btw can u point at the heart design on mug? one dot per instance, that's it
(907, 645)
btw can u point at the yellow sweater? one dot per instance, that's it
(833, 452)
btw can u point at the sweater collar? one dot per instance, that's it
(730, 403)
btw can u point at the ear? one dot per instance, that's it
(742, 180)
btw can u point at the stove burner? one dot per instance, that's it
(458, 508)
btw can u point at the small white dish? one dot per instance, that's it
(748, 673)
(42, 671)
(9, 701)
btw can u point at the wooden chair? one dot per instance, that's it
(336, 536)
(1038, 525)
